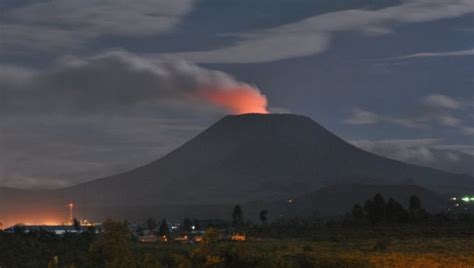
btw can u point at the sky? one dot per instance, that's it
(93, 88)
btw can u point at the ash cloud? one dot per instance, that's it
(118, 80)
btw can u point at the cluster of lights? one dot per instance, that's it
(464, 198)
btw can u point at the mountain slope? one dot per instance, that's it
(339, 199)
(242, 159)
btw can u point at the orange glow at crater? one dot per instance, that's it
(239, 100)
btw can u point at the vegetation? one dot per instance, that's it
(151, 224)
(378, 211)
(379, 234)
(164, 228)
(263, 216)
(237, 217)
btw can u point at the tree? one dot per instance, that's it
(196, 224)
(395, 212)
(264, 216)
(206, 250)
(237, 216)
(369, 211)
(164, 228)
(19, 229)
(379, 208)
(187, 224)
(151, 224)
(415, 204)
(113, 248)
(415, 209)
(76, 224)
(139, 230)
(357, 212)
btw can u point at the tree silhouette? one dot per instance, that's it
(76, 224)
(164, 228)
(237, 216)
(415, 204)
(187, 224)
(151, 224)
(113, 248)
(415, 209)
(19, 229)
(369, 211)
(196, 224)
(264, 216)
(358, 212)
(379, 208)
(395, 212)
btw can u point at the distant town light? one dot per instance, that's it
(290, 200)
(453, 198)
(466, 199)
(193, 227)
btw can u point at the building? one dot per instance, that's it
(239, 237)
(150, 238)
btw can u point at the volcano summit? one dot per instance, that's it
(240, 159)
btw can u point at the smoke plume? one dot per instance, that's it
(117, 81)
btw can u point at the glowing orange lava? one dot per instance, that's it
(240, 100)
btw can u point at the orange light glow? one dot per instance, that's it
(40, 221)
(240, 100)
(34, 215)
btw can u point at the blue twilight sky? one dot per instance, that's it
(90, 88)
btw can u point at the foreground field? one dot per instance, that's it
(383, 246)
(300, 253)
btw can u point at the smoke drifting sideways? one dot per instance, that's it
(118, 80)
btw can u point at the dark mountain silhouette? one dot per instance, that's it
(240, 159)
(339, 200)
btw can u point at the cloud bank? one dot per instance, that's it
(439, 109)
(47, 26)
(313, 35)
(459, 53)
(425, 152)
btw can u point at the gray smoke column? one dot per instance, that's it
(120, 80)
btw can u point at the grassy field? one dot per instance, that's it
(351, 246)
(445, 252)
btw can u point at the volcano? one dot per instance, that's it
(240, 159)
